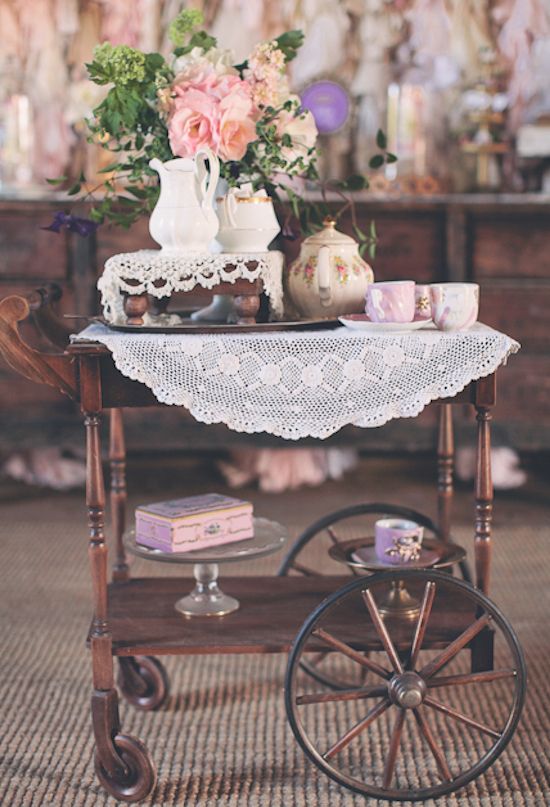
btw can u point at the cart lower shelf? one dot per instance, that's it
(143, 620)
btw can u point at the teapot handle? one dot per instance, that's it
(323, 276)
(207, 190)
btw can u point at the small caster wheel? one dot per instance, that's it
(143, 681)
(140, 777)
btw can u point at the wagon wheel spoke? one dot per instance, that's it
(470, 678)
(451, 650)
(461, 718)
(370, 717)
(434, 748)
(382, 631)
(348, 651)
(316, 658)
(394, 747)
(333, 536)
(422, 623)
(341, 695)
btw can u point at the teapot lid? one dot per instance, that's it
(330, 236)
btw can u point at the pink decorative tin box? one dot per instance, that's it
(183, 525)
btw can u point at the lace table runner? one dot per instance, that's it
(308, 383)
(151, 271)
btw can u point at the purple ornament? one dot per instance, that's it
(329, 104)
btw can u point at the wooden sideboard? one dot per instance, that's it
(500, 241)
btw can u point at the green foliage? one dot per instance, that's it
(381, 140)
(117, 64)
(200, 39)
(186, 21)
(128, 124)
(290, 43)
(356, 182)
(377, 161)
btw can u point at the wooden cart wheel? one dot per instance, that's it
(413, 733)
(334, 528)
(143, 681)
(139, 778)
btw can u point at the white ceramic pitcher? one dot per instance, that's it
(184, 219)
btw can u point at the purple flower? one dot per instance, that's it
(75, 224)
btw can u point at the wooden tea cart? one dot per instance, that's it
(357, 668)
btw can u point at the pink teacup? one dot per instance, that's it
(397, 540)
(390, 301)
(455, 306)
(422, 302)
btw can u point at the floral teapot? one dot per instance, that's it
(330, 277)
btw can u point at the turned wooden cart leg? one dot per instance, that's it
(445, 467)
(122, 763)
(484, 499)
(117, 460)
(247, 307)
(482, 648)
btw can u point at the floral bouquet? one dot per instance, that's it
(244, 113)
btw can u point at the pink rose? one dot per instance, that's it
(235, 135)
(193, 123)
(198, 76)
(238, 116)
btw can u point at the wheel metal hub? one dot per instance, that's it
(407, 690)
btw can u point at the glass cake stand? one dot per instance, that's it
(207, 599)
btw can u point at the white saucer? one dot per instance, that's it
(360, 322)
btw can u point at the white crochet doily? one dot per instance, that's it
(307, 383)
(160, 275)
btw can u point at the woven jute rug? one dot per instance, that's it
(222, 738)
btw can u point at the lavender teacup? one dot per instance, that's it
(390, 301)
(397, 541)
(455, 306)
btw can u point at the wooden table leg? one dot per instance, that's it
(117, 460)
(483, 498)
(135, 308)
(445, 468)
(122, 763)
(247, 307)
(104, 698)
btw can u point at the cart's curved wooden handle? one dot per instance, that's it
(56, 370)
(56, 330)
